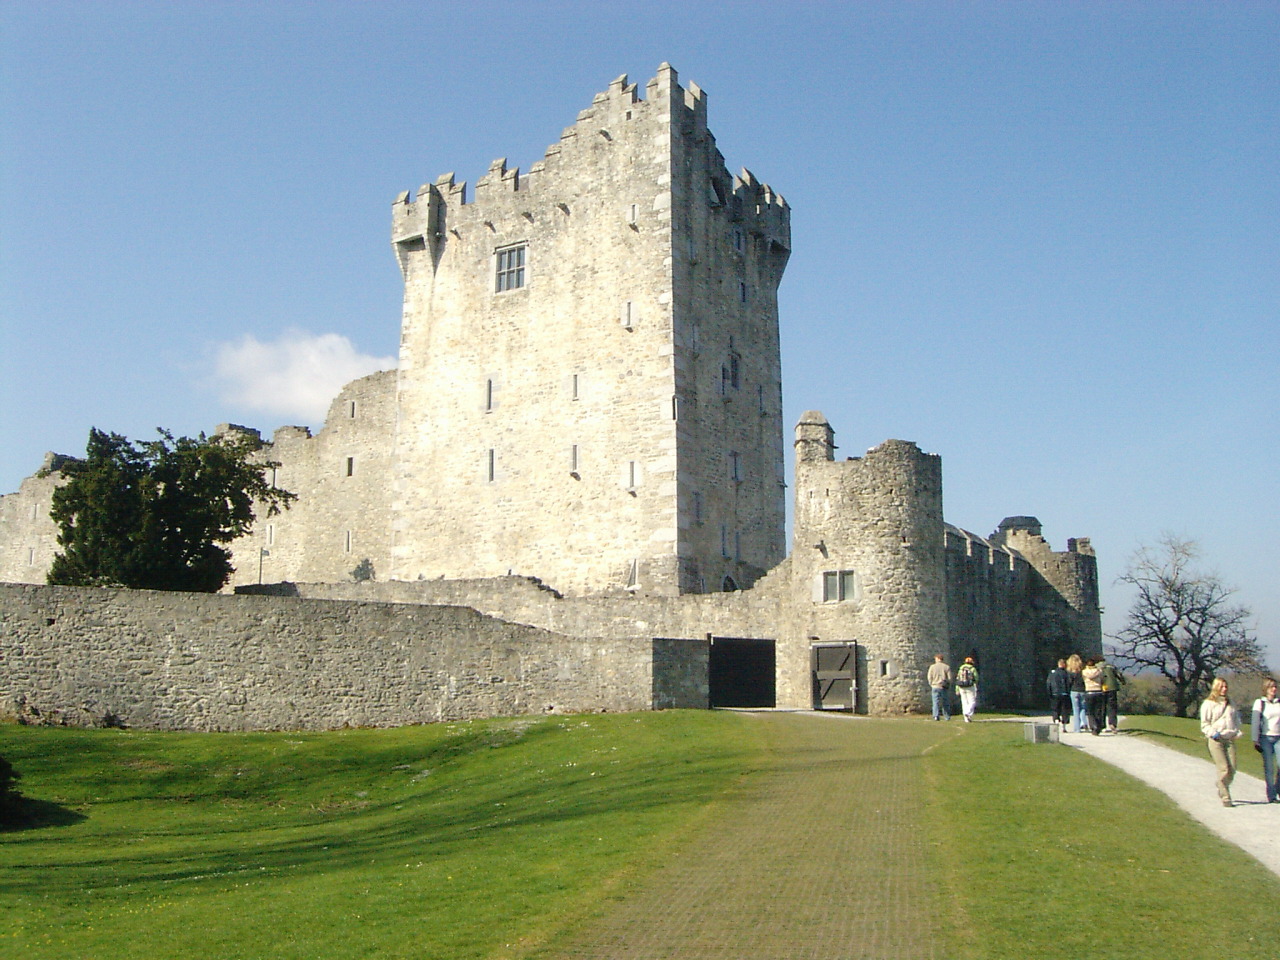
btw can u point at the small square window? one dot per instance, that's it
(838, 586)
(510, 268)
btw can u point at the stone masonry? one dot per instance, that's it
(583, 439)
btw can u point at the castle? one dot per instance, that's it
(584, 435)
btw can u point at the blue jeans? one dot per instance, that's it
(1269, 772)
(1077, 711)
(941, 703)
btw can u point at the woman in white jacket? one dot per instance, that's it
(1220, 724)
(1266, 736)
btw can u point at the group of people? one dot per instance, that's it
(965, 682)
(1220, 724)
(1085, 693)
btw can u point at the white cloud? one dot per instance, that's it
(294, 377)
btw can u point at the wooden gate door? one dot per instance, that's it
(835, 676)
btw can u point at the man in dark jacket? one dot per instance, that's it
(1058, 684)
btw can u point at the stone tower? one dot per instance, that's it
(589, 386)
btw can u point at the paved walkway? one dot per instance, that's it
(772, 880)
(1252, 824)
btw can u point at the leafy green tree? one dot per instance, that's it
(152, 515)
(1182, 623)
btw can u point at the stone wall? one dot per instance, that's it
(215, 662)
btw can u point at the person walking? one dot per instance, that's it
(1075, 667)
(1266, 736)
(967, 684)
(1058, 683)
(1095, 700)
(939, 678)
(1220, 724)
(1112, 681)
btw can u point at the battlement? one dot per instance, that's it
(442, 211)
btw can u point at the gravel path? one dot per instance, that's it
(820, 857)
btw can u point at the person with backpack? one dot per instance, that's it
(1058, 683)
(1266, 736)
(967, 684)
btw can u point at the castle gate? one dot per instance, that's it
(835, 675)
(741, 672)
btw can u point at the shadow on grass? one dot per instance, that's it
(1159, 735)
(24, 813)
(447, 817)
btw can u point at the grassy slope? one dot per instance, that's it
(441, 841)
(486, 839)
(1047, 853)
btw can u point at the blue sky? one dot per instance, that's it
(1039, 239)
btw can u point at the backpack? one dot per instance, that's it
(966, 676)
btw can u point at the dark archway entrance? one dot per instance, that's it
(741, 672)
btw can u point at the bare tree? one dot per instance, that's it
(1182, 622)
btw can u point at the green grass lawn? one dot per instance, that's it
(493, 839)
(442, 841)
(1048, 853)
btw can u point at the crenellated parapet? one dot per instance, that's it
(440, 213)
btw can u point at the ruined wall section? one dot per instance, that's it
(867, 565)
(215, 662)
(28, 537)
(1016, 606)
(341, 476)
(989, 612)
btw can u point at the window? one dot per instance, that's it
(493, 464)
(573, 388)
(351, 410)
(697, 506)
(633, 575)
(488, 396)
(573, 459)
(510, 271)
(628, 314)
(351, 466)
(348, 541)
(735, 370)
(742, 292)
(839, 585)
(737, 240)
(735, 466)
(632, 474)
(724, 541)
(271, 534)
